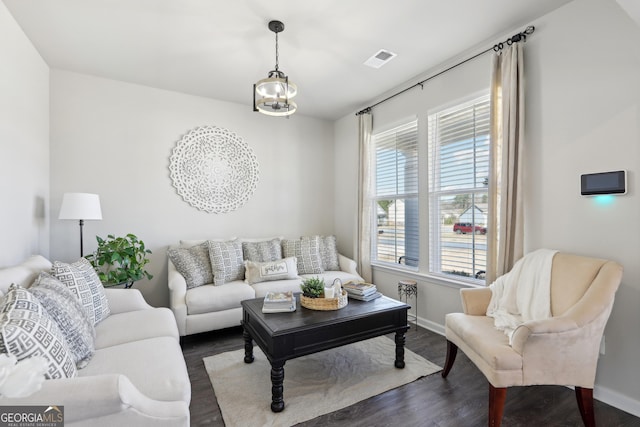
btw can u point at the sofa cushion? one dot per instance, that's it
(65, 309)
(209, 298)
(256, 272)
(156, 366)
(307, 252)
(26, 330)
(489, 344)
(193, 263)
(136, 325)
(226, 261)
(268, 250)
(83, 281)
(329, 253)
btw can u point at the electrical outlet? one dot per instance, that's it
(602, 346)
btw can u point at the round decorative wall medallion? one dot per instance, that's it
(213, 169)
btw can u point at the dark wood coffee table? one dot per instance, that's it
(284, 336)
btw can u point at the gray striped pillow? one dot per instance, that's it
(329, 253)
(268, 250)
(193, 263)
(65, 309)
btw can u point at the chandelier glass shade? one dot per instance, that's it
(272, 96)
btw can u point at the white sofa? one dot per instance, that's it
(137, 376)
(207, 308)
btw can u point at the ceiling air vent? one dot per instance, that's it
(380, 58)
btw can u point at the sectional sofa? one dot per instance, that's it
(136, 374)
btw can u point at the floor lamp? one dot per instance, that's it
(80, 206)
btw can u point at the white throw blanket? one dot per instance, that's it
(524, 293)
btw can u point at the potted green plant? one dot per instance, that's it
(120, 260)
(312, 287)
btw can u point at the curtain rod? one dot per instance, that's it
(521, 36)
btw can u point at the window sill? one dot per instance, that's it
(436, 279)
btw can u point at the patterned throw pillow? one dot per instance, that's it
(193, 263)
(307, 251)
(82, 280)
(27, 330)
(329, 253)
(256, 272)
(65, 309)
(226, 261)
(269, 250)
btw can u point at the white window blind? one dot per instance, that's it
(459, 140)
(395, 238)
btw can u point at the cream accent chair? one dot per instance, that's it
(561, 350)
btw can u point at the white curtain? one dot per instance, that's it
(363, 255)
(506, 216)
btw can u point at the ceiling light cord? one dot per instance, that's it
(521, 36)
(277, 54)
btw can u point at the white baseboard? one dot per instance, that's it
(617, 400)
(432, 326)
(603, 394)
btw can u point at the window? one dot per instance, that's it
(395, 197)
(458, 181)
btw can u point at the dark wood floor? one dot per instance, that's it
(460, 400)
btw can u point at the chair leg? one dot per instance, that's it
(585, 404)
(452, 351)
(497, 396)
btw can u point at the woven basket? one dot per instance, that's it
(325, 304)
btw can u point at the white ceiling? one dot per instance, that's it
(218, 49)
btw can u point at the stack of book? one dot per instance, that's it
(361, 291)
(279, 302)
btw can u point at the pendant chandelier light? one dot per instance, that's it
(272, 96)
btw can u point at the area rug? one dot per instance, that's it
(313, 385)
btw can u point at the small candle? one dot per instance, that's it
(328, 292)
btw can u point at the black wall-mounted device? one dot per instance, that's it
(603, 183)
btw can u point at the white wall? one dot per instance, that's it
(24, 145)
(583, 115)
(115, 139)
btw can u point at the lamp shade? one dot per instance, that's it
(80, 206)
(273, 95)
(276, 87)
